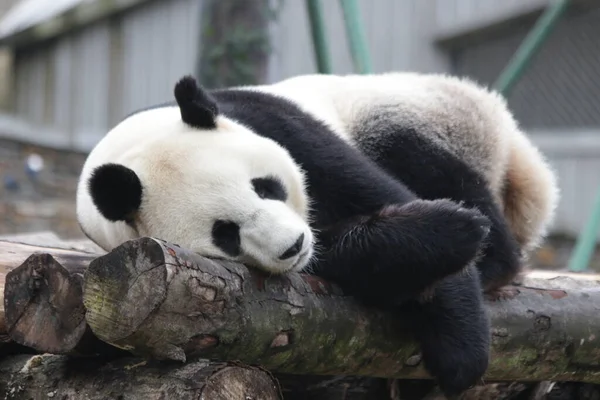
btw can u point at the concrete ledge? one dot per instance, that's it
(568, 142)
(16, 129)
(583, 143)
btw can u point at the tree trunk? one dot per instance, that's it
(234, 42)
(41, 289)
(59, 377)
(156, 299)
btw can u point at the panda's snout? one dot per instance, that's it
(294, 249)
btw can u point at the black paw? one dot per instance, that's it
(414, 246)
(454, 333)
(456, 232)
(456, 370)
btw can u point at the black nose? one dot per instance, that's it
(295, 249)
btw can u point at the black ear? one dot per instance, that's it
(116, 191)
(198, 109)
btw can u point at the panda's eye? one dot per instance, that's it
(226, 236)
(269, 188)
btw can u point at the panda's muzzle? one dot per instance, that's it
(294, 249)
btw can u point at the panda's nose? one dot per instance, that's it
(295, 249)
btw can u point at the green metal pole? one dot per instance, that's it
(317, 28)
(356, 36)
(584, 248)
(531, 44)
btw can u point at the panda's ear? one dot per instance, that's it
(198, 109)
(116, 191)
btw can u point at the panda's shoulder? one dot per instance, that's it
(259, 103)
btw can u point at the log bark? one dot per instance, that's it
(41, 287)
(156, 299)
(60, 377)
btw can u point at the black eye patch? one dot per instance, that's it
(226, 236)
(269, 188)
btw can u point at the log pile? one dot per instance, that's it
(153, 320)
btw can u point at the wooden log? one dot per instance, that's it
(156, 299)
(60, 377)
(41, 288)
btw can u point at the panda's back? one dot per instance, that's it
(452, 114)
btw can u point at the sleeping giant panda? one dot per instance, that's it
(391, 185)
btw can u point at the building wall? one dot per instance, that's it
(454, 17)
(398, 36)
(401, 34)
(81, 84)
(560, 88)
(132, 60)
(575, 157)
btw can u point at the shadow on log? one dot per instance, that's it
(157, 299)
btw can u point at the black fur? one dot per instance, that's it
(226, 236)
(433, 173)
(269, 188)
(197, 107)
(382, 243)
(401, 250)
(116, 191)
(454, 332)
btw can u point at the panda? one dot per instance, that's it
(416, 193)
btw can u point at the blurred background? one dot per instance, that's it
(71, 69)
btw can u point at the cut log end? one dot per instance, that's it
(45, 310)
(239, 382)
(44, 298)
(129, 275)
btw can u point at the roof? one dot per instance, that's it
(28, 13)
(34, 20)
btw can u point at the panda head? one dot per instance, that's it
(188, 175)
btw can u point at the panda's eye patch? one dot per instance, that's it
(269, 188)
(226, 236)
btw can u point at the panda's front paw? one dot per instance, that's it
(413, 246)
(456, 232)
(472, 225)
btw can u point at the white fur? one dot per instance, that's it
(191, 177)
(459, 115)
